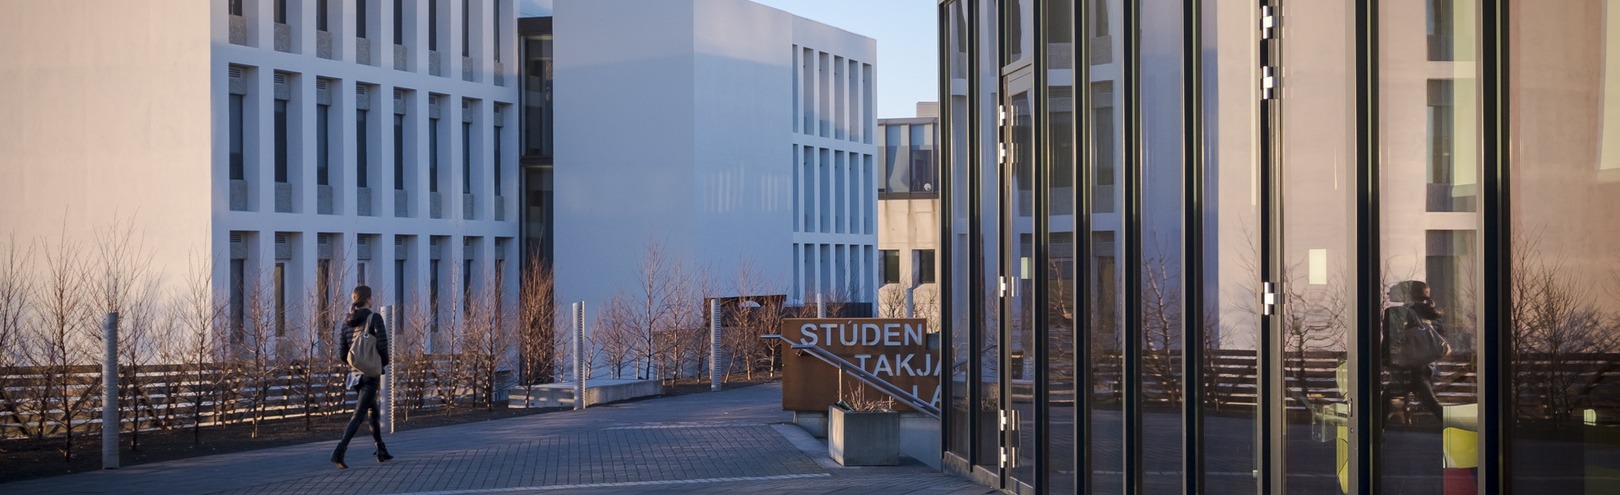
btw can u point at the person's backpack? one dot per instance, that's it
(1418, 343)
(363, 354)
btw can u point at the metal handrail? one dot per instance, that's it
(864, 376)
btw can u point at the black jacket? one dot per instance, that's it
(357, 320)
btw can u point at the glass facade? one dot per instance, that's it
(1193, 246)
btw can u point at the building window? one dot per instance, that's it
(238, 299)
(237, 169)
(495, 166)
(281, 11)
(1447, 190)
(433, 295)
(467, 287)
(399, 283)
(323, 148)
(360, 18)
(321, 12)
(281, 140)
(323, 286)
(1439, 24)
(399, 22)
(925, 266)
(361, 150)
(495, 29)
(433, 25)
(399, 152)
(280, 287)
(433, 155)
(891, 266)
(235, 7)
(466, 157)
(466, 28)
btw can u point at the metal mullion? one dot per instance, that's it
(1367, 409)
(1271, 428)
(977, 287)
(1496, 180)
(1041, 178)
(1131, 72)
(943, 34)
(1084, 167)
(1192, 345)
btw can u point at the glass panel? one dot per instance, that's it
(1565, 326)
(1427, 244)
(959, 277)
(1018, 268)
(1231, 231)
(1103, 274)
(1314, 286)
(1060, 296)
(1161, 270)
(1018, 18)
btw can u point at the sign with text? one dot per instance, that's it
(900, 351)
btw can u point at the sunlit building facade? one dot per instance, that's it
(1171, 230)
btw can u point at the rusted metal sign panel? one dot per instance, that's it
(899, 350)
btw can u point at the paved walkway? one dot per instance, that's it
(735, 441)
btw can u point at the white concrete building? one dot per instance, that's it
(294, 148)
(908, 215)
(727, 133)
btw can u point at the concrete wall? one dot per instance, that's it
(106, 133)
(675, 128)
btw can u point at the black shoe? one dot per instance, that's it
(382, 453)
(337, 458)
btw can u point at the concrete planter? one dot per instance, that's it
(863, 438)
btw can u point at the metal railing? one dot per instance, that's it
(864, 376)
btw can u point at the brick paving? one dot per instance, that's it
(733, 441)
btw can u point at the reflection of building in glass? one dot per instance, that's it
(1100, 304)
(747, 147)
(908, 215)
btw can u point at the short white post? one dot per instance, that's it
(109, 393)
(390, 323)
(714, 345)
(579, 356)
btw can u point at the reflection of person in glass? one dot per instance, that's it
(1417, 380)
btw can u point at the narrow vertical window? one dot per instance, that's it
(399, 152)
(281, 140)
(466, 289)
(235, 7)
(925, 266)
(466, 28)
(495, 29)
(361, 149)
(321, 15)
(433, 25)
(891, 266)
(360, 18)
(237, 169)
(399, 22)
(399, 282)
(238, 298)
(323, 287)
(281, 11)
(495, 166)
(280, 281)
(433, 155)
(433, 295)
(323, 148)
(466, 157)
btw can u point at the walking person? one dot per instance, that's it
(1412, 342)
(363, 325)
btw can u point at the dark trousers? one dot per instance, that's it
(365, 408)
(1419, 382)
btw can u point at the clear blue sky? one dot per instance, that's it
(908, 63)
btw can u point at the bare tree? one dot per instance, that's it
(616, 335)
(485, 341)
(1559, 327)
(1161, 325)
(538, 327)
(198, 343)
(649, 307)
(66, 337)
(16, 287)
(892, 301)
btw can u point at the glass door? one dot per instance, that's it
(1018, 281)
